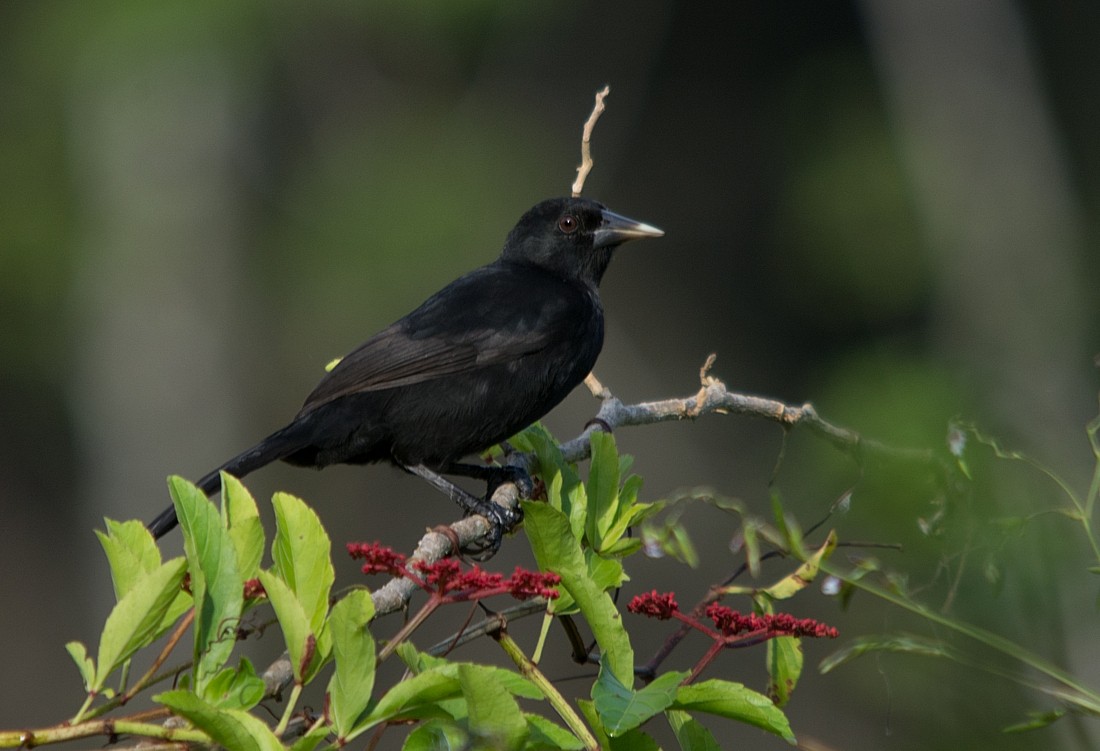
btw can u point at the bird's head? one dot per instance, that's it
(573, 237)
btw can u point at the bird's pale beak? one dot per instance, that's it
(615, 229)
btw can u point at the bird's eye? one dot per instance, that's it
(568, 224)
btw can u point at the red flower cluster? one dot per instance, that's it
(654, 605)
(731, 623)
(379, 558)
(527, 584)
(446, 579)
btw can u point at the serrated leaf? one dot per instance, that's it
(235, 688)
(84, 663)
(234, 729)
(622, 709)
(493, 714)
(354, 651)
(134, 621)
(557, 550)
(242, 517)
(544, 734)
(605, 573)
(216, 584)
(292, 620)
(510, 681)
(904, 643)
(736, 702)
(131, 553)
(427, 688)
(302, 553)
(690, 733)
(602, 488)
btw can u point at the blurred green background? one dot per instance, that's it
(888, 209)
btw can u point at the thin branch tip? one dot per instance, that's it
(586, 141)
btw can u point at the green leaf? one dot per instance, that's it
(294, 623)
(493, 714)
(302, 554)
(794, 583)
(544, 734)
(690, 733)
(1037, 721)
(904, 643)
(354, 651)
(510, 681)
(216, 583)
(633, 740)
(234, 729)
(557, 550)
(438, 735)
(241, 516)
(736, 702)
(235, 688)
(427, 688)
(134, 621)
(622, 709)
(628, 512)
(602, 488)
(84, 663)
(131, 553)
(605, 573)
(784, 658)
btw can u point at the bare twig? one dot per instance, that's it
(586, 141)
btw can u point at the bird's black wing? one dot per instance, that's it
(491, 315)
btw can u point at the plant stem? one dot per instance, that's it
(531, 672)
(107, 728)
(408, 628)
(1077, 693)
(290, 704)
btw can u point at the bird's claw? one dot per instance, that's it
(501, 519)
(518, 476)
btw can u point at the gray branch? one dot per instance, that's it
(712, 398)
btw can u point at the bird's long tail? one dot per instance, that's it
(276, 446)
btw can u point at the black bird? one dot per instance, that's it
(478, 361)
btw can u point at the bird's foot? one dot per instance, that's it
(501, 519)
(518, 476)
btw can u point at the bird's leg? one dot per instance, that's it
(500, 519)
(494, 477)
